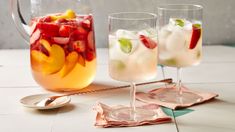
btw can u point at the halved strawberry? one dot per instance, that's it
(61, 40)
(48, 29)
(61, 20)
(65, 30)
(90, 40)
(79, 46)
(46, 19)
(86, 23)
(196, 34)
(89, 55)
(79, 34)
(148, 43)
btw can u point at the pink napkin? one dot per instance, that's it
(150, 98)
(102, 120)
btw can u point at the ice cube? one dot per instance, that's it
(164, 32)
(114, 49)
(121, 33)
(187, 25)
(176, 41)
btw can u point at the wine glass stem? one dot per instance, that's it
(163, 74)
(179, 83)
(132, 103)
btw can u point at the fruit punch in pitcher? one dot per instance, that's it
(62, 51)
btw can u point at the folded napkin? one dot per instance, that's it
(151, 98)
(102, 120)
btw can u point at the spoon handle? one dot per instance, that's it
(168, 80)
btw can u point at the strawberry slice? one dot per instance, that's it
(79, 34)
(90, 40)
(61, 20)
(89, 55)
(48, 29)
(86, 24)
(196, 34)
(65, 30)
(61, 40)
(46, 19)
(35, 36)
(79, 46)
(148, 43)
(33, 27)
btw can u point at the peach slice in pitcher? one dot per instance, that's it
(48, 64)
(70, 63)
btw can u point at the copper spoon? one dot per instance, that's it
(49, 100)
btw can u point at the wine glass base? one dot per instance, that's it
(126, 114)
(172, 96)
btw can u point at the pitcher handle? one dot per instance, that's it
(19, 21)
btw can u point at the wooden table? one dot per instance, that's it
(216, 74)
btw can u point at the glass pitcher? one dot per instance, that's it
(62, 42)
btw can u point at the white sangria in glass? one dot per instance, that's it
(180, 45)
(132, 57)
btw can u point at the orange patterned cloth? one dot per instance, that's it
(151, 98)
(102, 120)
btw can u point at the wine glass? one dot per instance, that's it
(132, 57)
(180, 45)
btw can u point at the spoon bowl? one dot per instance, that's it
(37, 101)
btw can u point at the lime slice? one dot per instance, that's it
(197, 25)
(171, 62)
(179, 22)
(199, 54)
(125, 45)
(118, 64)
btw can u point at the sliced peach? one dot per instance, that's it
(48, 65)
(55, 61)
(69, 14)
(81, 60)
(70, 63)
(37, 60)
(45, 44)
(38, 56)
